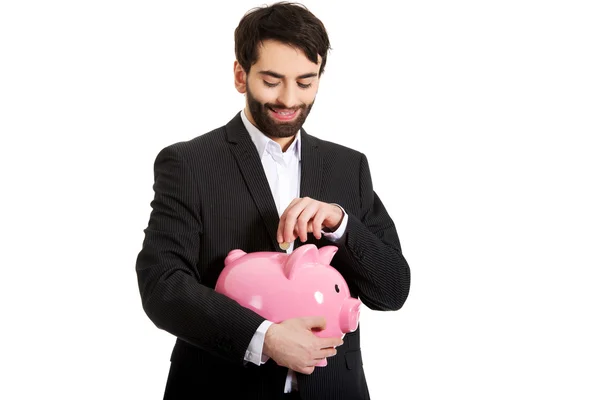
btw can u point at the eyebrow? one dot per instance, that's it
(279, 76)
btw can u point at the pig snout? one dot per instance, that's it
(349, 315)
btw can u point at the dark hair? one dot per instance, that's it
(289, 23)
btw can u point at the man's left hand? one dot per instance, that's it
(305, 215)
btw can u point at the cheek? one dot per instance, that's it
(261, 93)
(267, 98)
(308, 96)
(258, 97)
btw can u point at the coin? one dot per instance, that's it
(284, 246)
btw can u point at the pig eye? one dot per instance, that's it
(337, 288)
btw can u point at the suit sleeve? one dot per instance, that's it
(370, 256)
(171, 289)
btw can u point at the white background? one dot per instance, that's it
(480, 120)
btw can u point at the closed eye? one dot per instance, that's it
(269, 84)
(300, 85)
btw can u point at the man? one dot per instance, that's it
(262, 183)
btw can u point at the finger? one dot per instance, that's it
(295, 233)
(330, 342)
(307, 370)
(308, 228)
(317, 223)
(291, 218)
(324, 353)
(304, 219)
(283, 218)
(288, 217)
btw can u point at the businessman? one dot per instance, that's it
(260, 182)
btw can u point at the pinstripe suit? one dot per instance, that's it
(212, 196)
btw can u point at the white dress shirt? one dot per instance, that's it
(283, 173)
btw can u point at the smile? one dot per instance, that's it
(283, 115)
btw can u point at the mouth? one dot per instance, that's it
(283, 114)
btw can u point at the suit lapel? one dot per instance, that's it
(311, 172)
(252, 170)
(311, 168)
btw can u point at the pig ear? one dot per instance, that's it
(234, 255)
(306, 254)
(326, 254)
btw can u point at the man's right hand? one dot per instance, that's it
(293, 344)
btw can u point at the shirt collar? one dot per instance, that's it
(261, 140)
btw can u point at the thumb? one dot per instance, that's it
(315, 322)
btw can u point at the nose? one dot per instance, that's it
(287, 96)
(350, 314)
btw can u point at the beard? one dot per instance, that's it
(269, 126)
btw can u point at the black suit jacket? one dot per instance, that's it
(212, 196)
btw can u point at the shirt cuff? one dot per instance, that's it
(341, 230)
(254, 352)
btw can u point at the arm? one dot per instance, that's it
(370, 254)
(171, 288)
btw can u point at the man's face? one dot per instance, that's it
(280, 88)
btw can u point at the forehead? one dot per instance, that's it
(284, 59)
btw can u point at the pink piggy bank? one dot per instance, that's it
(279, 286)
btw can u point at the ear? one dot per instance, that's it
(240, 78)
(300, 258)
(326, 254)
(234, 255)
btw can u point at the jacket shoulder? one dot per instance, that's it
(332, 149)
(206, 143)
